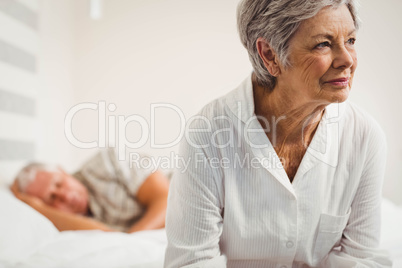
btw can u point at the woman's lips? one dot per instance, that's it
(342, 82)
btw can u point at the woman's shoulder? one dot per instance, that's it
(213, 109)
(362, 122)
(236, 104)
(216, 114)
(215, 119)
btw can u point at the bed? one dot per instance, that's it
(28, 240)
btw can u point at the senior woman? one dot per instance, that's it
(284, 172)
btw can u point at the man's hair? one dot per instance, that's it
(28, 173)
(276, 21)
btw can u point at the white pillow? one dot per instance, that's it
(23, 230)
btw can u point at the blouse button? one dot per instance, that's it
(289, 244)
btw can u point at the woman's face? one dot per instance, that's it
(322, 57)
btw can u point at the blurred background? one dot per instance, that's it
(126, 55)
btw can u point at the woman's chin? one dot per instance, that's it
(338, 95)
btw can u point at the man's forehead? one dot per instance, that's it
(42, 181)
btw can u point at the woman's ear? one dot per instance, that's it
(268, 56)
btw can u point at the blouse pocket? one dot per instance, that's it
(330, 230)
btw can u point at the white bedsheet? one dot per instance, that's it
(29, 240)
(100, 249)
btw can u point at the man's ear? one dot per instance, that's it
(268, 56)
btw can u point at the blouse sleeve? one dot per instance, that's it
(361, 237)
(194, 220)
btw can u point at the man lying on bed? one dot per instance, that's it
(105, 194)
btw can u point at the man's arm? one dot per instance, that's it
(62, 220)
(67, 221)
(153, 195)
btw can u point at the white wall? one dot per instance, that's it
(48, 84)
(185, 53)
(377, 86)
(55, 72)
(181, 52)
(188, 53)
(18, 126)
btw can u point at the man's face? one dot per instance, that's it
(61, 191)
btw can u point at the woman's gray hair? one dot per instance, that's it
(276, 21)
(28, 174)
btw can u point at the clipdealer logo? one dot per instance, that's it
(222, 131)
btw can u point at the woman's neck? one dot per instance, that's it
(289, 120)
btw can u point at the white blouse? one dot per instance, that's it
(234, 205)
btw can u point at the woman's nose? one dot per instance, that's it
(343, 58)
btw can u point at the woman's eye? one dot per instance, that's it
(352, 41)
(323, 44)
